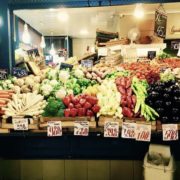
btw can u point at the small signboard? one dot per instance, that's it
(111, 129)
(20, 124)
(151, 55)
(170, 132)
(160, 24)
(66, 66)
(81, 128)
(87, 63)
(19, 72)
(3, 74)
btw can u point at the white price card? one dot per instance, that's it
(143, 132)
(111, 129)
(54, 128)
(20, 124)
(81, 128)
(170, 132)
(128, 130)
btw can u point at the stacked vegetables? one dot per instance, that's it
(81, 105)
(164, 97)
(109, 99)
(128, 99)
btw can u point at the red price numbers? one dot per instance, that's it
(81, 128)
(111, 129)
(170, 132)
(128, 130)
(143, 132)
(54, 129)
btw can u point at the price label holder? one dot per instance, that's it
(3, 74)
(81, 128)
(20, 124)
(128, 130)
(170, 132)
(143, 132)
(54, 128)
(19, 72)
(111, 129)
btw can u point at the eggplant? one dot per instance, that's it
(159, 103)
(168, 103)
(160, 111)
(168, 90)
(175, 119)
(154, 94)
(177, 92)
(166, 96)
(164, 119)
(175, 111)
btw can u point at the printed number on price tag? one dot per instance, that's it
(54, 128)
(111, 129)
(81, 128)
(128, 130)
(170, 132)
(143, 132)
(20, 124)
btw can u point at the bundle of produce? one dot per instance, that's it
(118, 73)
(81, 105)
(7, 84)
(164, 97)
(31, 104)
(54, 108)
(171, 62)
(109, 99)
(91, 90)
(139, 87)
(128, 98)
(113, 59)
(143, 71)
(5, 96)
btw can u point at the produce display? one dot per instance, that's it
(143, 90)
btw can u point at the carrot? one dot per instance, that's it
(5, 96)
(8, 91)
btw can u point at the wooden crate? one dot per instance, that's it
(67, 122)
(7, 123)
(103, 119)
(142, 121)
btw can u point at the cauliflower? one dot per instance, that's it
(64, 76)
(17, 89)
(46, 89)
(19, 82)
(61, 93)
(36, 87)
(37, 79)
(29, 81)
(53, 82)
(52, 74)
(79, 73)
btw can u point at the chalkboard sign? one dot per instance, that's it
(151, 54)
(87, 63)
(160, 24)
(19, 72)
(175, 44)
(66, 66)
(3, 74)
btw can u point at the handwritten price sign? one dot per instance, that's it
(170, 132)
(54, 128)
(111, 129)
(143, 132)
(128, 130)
(20, 124)
(81, 128)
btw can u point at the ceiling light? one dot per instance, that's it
(52, 50)
(178, 54)
(1, 21)
(139, 11)
(43, 44)
(51, 9)
(26, 36)
(84, 32)
(63, 16)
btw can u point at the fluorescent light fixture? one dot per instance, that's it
(43, 44)
(51, 9)
(52, 50)
(139, 11)
(26, 36)
(84, 32)
(178, 54)
(63, 16)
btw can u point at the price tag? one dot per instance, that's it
(128, 130)
(81, 128)
(143, 132)
(111, 129)
(19, 72)
(3, 74)
(54, 128)
(20, 124)
(170, 132)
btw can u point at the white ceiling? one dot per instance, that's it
(47, 22)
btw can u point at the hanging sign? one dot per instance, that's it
(170, 132)
(66, 66)
(3, 74)
(54, 128)
(111, 129)
(143, 132)
(128, 130)
(19, 72)
(81, 128)
(20, 124)
(160, 24)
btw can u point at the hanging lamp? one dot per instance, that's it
(26, 36)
